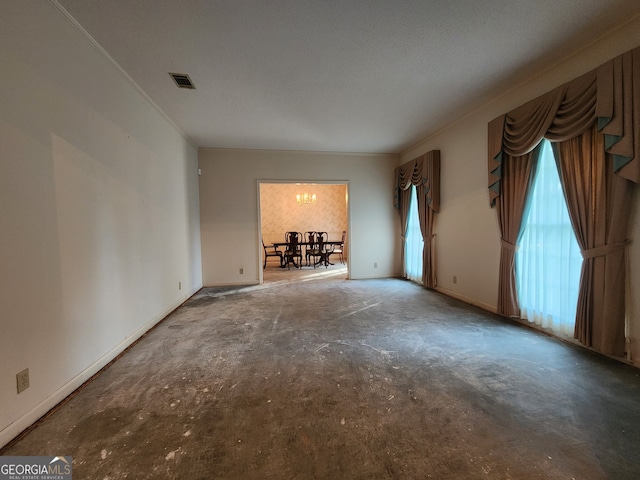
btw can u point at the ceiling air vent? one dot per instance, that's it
(182, 80)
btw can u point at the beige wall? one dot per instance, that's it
(229, 208)
(99, 216)
(280, 212)
(468, 239)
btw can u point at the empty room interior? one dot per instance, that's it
(298, 239)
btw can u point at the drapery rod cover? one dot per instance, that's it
(608, 95)
(422, 171)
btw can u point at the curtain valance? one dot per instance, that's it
(422, 171)
(608, 95)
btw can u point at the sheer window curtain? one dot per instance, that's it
(414, 244)
(548, 261)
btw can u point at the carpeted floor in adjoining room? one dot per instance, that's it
(328, 378)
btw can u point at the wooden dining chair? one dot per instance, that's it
(339, 249)
(322, 250)
(271, 251)
(311, 244)
(292, 250)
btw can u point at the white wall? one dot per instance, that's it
(99, 214)
(229, 208)
(468, 238)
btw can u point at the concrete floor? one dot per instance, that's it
(323, 377)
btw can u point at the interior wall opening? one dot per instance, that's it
(302, 206)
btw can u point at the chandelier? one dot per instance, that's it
(306, 199)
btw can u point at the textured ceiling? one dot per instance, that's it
(335, 75)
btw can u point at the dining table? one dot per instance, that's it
(324, 256)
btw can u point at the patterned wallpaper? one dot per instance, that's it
(280, 213)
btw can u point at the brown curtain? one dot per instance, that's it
(424, 173)
(518, 174)
(402, 204)
(429, 197)
(609, 98)
(598, 203)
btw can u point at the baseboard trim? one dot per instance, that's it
(14, 430)
(468, 300)
(231, 284)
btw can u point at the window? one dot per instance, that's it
(548, 261)
(414, 245)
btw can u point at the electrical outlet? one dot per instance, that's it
(455, 279)
(375, 264)
(179, 285)
(242, 271)
(22, 380)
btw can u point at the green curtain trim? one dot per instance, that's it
(610, 141)
(498, 170)
(602, 122)
(620, 161)
(495, 187)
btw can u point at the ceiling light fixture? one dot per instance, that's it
(304, 199)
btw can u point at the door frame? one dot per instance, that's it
(260, 182)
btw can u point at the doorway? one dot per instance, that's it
(302, 206)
